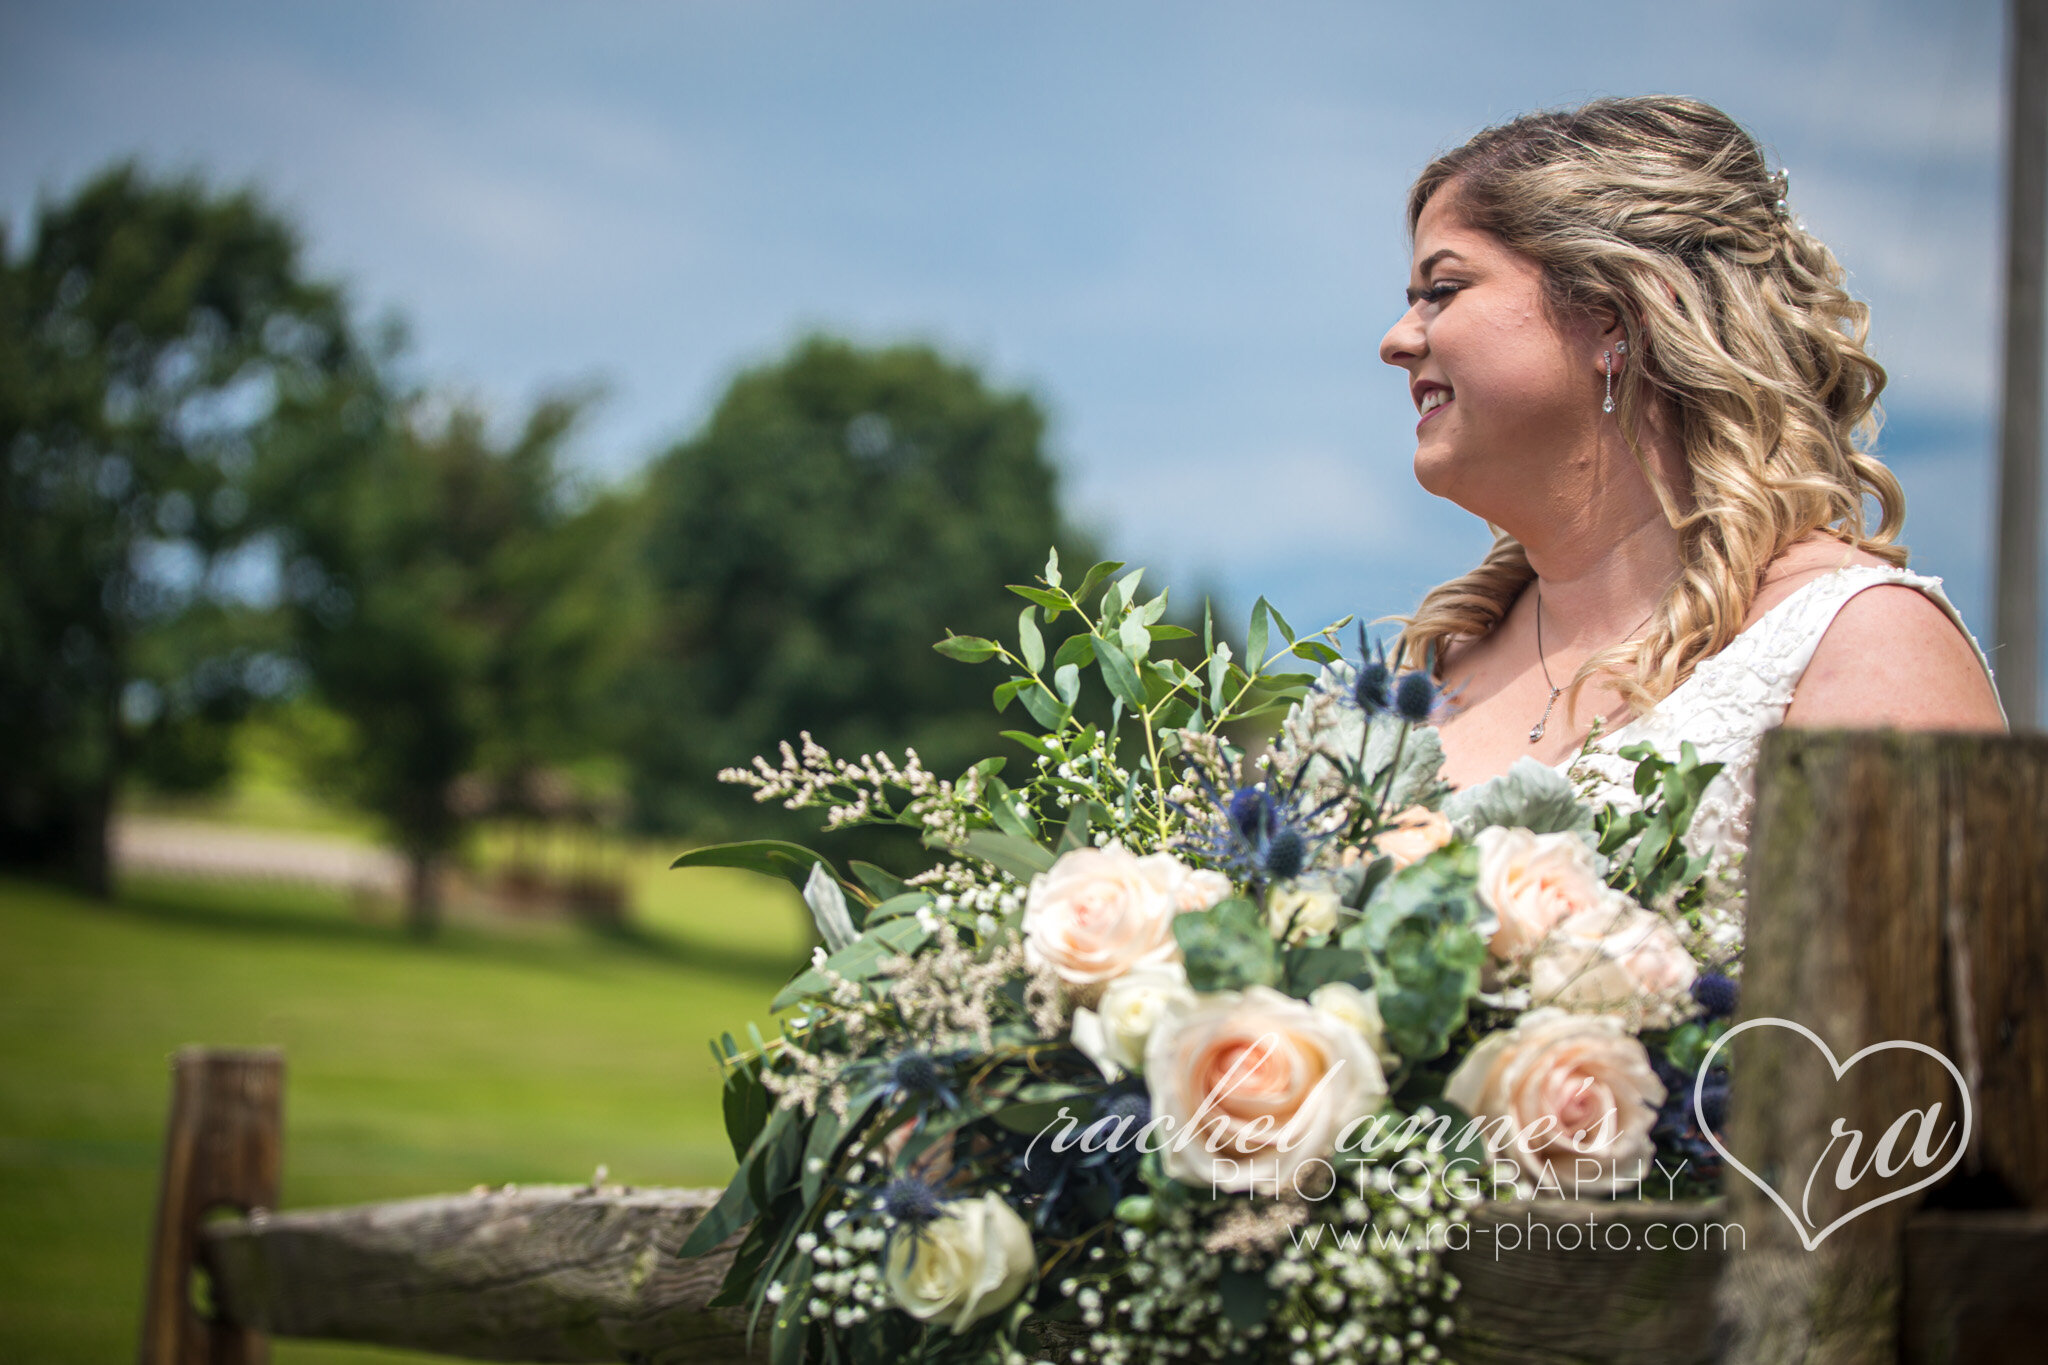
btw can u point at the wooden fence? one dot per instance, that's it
(1898, 891)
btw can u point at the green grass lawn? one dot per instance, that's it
(524, 1052)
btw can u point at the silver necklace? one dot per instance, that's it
(1536, 732)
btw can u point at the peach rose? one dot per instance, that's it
(1616, 959)
(1569, 1098)
(1255, 1085)
(1533, 883)
(1191, 890)
(1417, 833)
(1097, 913)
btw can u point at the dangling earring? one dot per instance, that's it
(1607, 363)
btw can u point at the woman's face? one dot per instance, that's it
(1507, 397)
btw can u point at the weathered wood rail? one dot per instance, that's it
(1898, 891)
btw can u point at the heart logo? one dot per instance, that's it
(1800, 1225)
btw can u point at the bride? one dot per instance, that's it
(1649, 379)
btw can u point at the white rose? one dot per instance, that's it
(1533, 883)
(1097, 913)
(1304, 908)
(1113, 1034)
(973, 1261)
(1360, 1010)
(1255, 1085)
(1569, 1098)
(1617, 959)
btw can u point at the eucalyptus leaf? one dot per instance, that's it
(1045, 708)
(1304, 969)
(1096, 577)
(968, 649)
(1030, 640)
(1422, 933)
(1136, 640)
(1286, 631)
(1053, 602)
(1077, 649)
(1227, 948)
(1036, 744)
(1119, 672)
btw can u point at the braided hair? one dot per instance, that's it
(1661, 211)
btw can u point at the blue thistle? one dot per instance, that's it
(911, 1202)
(1132, 1105)
(1266, 836)
(1372, 688)
(1678, 1128)
(1415, 697)
(917, 1075)
(1074, 1189)
(1716, 995)
(1248, 811)
(1281, 857)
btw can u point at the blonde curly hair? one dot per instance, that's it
(1661, 211)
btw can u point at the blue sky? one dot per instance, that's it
(1179, 224)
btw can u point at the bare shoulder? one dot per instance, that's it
(1799, 563)
(1892, 658)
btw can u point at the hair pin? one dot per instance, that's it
(1781, 187)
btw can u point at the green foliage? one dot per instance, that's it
(860, 960)
(1426, 954)
(1648, 844)
(770, 857)
(155, 337)
(1530, 795)
(841, 510)
(1227, 948)
(1686, 1046)
(453, 600)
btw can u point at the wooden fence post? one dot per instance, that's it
(1898, 890)
(221, 1152)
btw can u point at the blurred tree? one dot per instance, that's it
(840, 511)
(152, 334)
(459, 604)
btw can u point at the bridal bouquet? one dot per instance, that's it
(1182, 1053)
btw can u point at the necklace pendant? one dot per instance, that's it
(1536, 731)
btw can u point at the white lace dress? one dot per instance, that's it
(1732, 697)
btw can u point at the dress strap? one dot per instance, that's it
(1784, 646)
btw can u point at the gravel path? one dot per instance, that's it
(196, 848)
